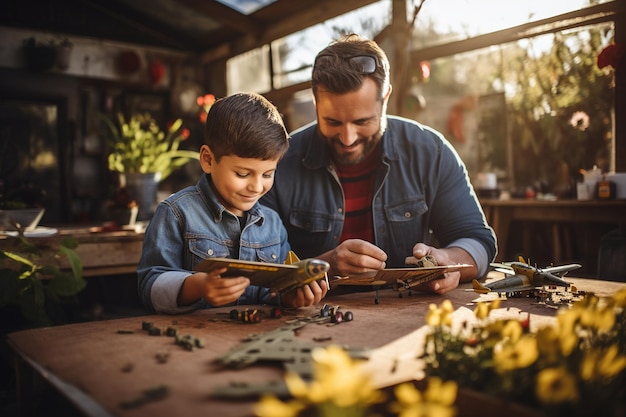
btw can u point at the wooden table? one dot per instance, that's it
(86, 361)
(101, 252)
(501, 213)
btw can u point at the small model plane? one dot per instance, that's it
(525, 278)
(293, 274)
(401, 279)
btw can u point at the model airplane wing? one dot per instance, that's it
(276, 277)
(561, 269)
(400, 278)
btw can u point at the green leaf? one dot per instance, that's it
(69, 242)
(66, 285)
(74, 260)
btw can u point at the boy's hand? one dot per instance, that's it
(306, 295)
(211, 287)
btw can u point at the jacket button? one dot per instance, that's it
(340, 210)
(274, 256)
(210, 251)
(407, 214)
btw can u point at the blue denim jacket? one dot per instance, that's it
(422, 193)
(192, 225)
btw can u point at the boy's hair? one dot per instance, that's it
(245, 125)
(337, 73)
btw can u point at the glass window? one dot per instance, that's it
(249, 72)
(451, 20)
(293, 55)
(536, 111)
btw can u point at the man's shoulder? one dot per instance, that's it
(302, 135)
(398, 123)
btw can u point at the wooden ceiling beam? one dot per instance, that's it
(225, 16)
(308, 17)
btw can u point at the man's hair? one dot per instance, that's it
(245, 125)
(334, 72)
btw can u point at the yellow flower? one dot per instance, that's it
(620, 298)
(568, 338)
(520, 354)
(597, 364)
(270, 406)
(441, 392)
(548, 342)
(437, 401)
(556, 386)
(611, 363)
(407, 394)
(440, 316)
(483, 308)
(338, 380)
(512, 330)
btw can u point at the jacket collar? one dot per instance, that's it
(217, 208)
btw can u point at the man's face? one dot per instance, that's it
(350, 124)
(239, 182)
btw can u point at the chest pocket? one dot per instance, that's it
(406, 220)
(310, 221)
(310, 232)
(201, 249)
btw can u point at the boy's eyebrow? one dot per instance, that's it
(251, 169)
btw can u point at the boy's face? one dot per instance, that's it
(239, 182)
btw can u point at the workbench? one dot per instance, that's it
(97, 368)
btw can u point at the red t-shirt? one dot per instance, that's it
(357, 182)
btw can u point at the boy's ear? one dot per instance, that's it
(206, 158)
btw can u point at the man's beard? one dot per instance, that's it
(335, 148)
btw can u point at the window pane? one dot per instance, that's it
(450, 20)
(536, 111)
(293, 55)
(249, 72)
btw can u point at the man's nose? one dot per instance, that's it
(348, 135)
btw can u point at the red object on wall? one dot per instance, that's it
(157, 71)
(128, 62)
(611, 55)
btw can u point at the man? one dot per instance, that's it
(363, 190)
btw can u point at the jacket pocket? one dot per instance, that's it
(270, 254)
(311, 233)
(310, 221)
(201, 249)
(405, 220)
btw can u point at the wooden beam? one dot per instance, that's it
(308, 17)
(225, 16)
(604, 12)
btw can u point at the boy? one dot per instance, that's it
(220, 216)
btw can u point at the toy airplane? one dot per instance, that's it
(400, 279)
(525, 278)
(294, 273)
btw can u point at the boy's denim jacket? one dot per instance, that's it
(192, 225)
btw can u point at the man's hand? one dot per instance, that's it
(353, 257)
(305, 296)
(447, 256)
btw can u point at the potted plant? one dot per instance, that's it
(145, 155)
(35, 286)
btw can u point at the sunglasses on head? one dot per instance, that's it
(365, 64)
